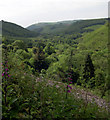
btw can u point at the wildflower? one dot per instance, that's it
(68, 91)
(8, 75)
(70, 79)
(69, 86)
(70, 83)
(2, 74)
(6, 69)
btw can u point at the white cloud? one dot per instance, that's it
(25, 12)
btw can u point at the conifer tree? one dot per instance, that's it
(88, 69)
(39, 60)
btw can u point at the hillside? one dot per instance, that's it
(96, 40)
(50, 27)
(65, 27)
(94, 43)
(14, 30)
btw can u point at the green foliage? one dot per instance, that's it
(89, 72)
(89, 68)
(20, 44)
(39, 61)
(11, 29)
(38, 69)
(69, 27)
(49, 49)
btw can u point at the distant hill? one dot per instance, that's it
(50, 27)
(65, 27)
(14, 30)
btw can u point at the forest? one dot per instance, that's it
(56, 70)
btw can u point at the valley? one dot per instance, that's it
(71, 60)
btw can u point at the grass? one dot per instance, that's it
(94, 27)
(97, 39)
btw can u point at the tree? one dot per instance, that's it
(20, 44)
(39, 61)
(89, 71)
(49, 49)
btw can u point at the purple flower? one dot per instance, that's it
(68, 91)
(2, 74)
(69, 79)
(6, 72)
(8, 75)
(70, 83)
(6, 61)
(6, 69)
(69, 86)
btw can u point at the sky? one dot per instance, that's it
(27, 12)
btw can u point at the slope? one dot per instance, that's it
(14, 30)
(50, 27)
(65, 27)
(96, 40)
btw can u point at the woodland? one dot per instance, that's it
(56, 70)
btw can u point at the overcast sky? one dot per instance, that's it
(27, 12)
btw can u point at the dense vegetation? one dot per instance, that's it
(11, 29)
(65, 27)
(77, 56)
